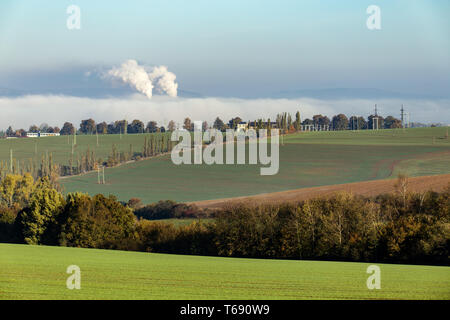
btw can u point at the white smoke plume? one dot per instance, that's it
(133, 74)
(144, 79)
(164, 81)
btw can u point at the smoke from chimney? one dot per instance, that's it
(144, 79)
(164, 81)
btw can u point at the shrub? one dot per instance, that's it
(97, 222)
(39, 220)
(168, 209)
(8, 230)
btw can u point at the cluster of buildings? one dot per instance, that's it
(41, 134)
(304, 127)
(252, 125)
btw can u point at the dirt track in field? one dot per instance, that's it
(365, 188)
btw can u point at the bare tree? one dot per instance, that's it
(204, 126)
(171, 126)
(187, 124)
(401, 187)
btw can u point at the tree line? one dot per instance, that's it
(401, 227)
(45, 167)
(342, 122)
(284, 121)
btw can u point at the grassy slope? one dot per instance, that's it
(306, 160)
(38, 272)
(61, 147)
(184, 222)
(393, 137)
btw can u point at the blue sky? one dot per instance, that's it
(231, 48)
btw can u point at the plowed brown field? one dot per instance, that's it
(366, 188)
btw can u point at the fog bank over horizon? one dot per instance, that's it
(23, 111)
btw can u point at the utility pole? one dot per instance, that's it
(402, 113)
(103, 174)
(10, 160)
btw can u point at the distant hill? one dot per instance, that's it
(189, 94)
(96, 90)
(6, 92)
(91, 92)
(348, 93)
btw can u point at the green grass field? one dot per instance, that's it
(61, 147)
(306, 160)
(393, 137)
(184, 222)
(39, 272)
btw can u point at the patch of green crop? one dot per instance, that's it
(301, 166)
(39, 272)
